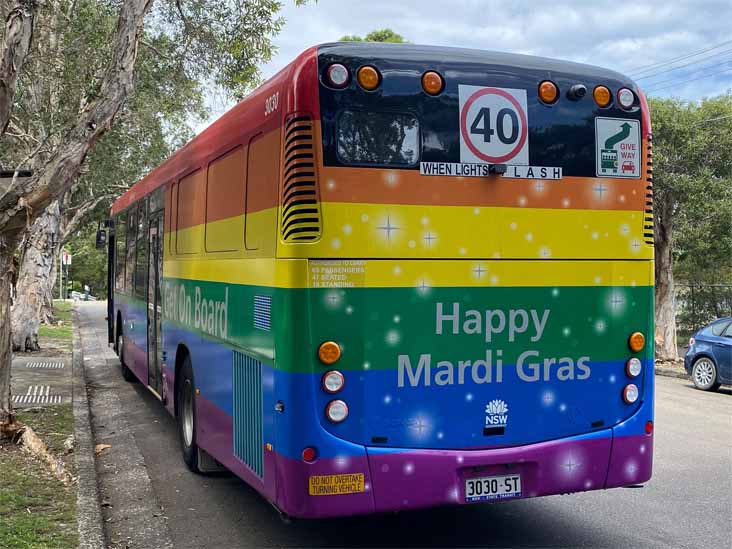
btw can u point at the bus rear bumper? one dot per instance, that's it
(413, 479)
(395, 479)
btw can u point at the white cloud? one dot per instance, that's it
(616, 35)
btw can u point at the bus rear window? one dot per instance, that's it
(377, 138)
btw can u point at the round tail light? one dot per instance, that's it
(333, 381)
(630, 393)
(633, 367)
(636, 341)
(329, 352)
(602, 96)
(337, 75)
(432, 83)
(626, 98)
(309, 454)
(336, 411)
(548, 92)
(368, 77)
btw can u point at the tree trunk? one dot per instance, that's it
(7, 416)
(23, 198)
(665, 331)
(18, 36)
(34, 281)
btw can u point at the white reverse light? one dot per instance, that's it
(626, 98)
(630, 393)
(333, 381)
(633, 367)
(336, 411)
(337, 75)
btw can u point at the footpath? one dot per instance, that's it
(120, 484)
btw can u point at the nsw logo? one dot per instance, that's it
(496, 413)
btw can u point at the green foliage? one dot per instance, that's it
(88, 264)
(692, 154)
(381, 35)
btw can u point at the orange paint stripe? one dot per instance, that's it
(381, 186)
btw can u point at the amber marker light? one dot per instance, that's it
(432, 83)
(329, 352)
(602, 96)
(548, 92)
(368, 78)
(636, 342)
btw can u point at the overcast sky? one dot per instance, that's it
(624, 36)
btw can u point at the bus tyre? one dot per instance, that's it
(127, 374)
(704, 374)
(187, 416)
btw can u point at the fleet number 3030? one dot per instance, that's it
(270, 104)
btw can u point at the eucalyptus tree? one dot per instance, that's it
(219, 40)
(692, 187)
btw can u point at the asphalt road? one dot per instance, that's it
(688, 503)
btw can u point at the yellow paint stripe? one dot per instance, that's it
(424, 274)
(375, 230)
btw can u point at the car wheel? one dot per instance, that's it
(704, 374)
(127, 374)
(187, 416)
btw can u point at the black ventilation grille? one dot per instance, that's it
(300, 219)
(648, 210)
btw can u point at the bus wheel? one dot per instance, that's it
(187, 416)
(127, 374)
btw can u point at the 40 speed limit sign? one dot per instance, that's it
(493, 125)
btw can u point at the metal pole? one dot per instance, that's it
(61, 275)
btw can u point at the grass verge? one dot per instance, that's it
(61, 333)
(36, 509)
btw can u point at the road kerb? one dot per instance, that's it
(88, 506)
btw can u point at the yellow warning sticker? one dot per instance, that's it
(333, 485)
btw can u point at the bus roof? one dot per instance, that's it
(206, 145)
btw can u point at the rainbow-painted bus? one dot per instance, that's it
(397, 277)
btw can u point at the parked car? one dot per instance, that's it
(709, 357)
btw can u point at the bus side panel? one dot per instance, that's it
(133, 312)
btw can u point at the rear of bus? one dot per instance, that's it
(471, 251)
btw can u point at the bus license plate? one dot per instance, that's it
(485, 488)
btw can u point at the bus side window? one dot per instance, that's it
(261, 193)
(172, 213)
(191, 213)
(225, 186)
(120, 235)
(142, 247)
(131, 248)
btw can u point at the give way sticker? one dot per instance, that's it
(493, 125)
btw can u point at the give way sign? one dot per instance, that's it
(493, 125)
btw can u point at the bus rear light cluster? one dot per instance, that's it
(336, 411)
(432, 83)
(548, 92)
(329, 352)
(633, 367)
(626, 98)
(630, 393)
(309, 454)
(602, 96)
(337, 75)
(636, 342)
(333, 381)
(368, 77)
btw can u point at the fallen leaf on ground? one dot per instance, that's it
(99, 448)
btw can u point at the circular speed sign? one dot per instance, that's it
(493, 125)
